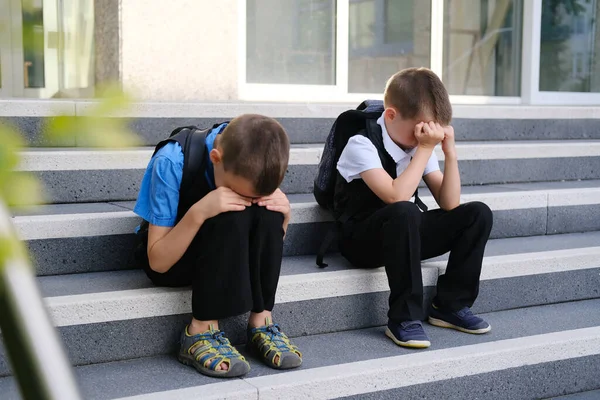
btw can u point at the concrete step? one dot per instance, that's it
(84, 175)
(105, 308)
(74, 238)
(306, 123)
(588, 395)
(535, 352)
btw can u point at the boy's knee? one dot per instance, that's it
(231, 218)
(481, 212)
(269, 217)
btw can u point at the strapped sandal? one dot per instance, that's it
(208, 351)
(269, 342)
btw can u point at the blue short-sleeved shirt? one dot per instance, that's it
(159, 192)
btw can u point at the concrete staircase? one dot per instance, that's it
(537, 168)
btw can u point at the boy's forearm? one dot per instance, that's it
(450, 190)
(169, 249)
(406, 184)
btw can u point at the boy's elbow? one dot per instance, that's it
(156, 266)
(391, 199)
(449, 206)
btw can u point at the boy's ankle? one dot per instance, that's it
(257, 320)
(197, 327)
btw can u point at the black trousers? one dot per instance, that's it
(233, 264)
(399, 236)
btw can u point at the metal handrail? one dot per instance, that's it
(35, 352)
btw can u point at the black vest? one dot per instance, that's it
(355, 200)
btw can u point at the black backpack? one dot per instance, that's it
(348, 124)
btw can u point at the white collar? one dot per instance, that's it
(392, 148)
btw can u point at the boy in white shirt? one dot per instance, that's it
(391, 230)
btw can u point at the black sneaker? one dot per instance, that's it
(408, 334)
(463, 320)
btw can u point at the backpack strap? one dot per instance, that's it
(374, 133)
(195, 153)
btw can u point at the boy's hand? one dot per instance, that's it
(429, 134)
(277, 202)
(448, 144)
(219, 201)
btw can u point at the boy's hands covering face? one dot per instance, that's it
(277, 202)
(429, 134)
(448, 144)
(219, 201)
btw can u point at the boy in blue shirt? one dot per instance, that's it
(223, 235)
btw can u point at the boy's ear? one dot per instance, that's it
(391, 114)
(215, 156)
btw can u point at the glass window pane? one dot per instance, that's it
(33, 43)
(386, 36)
(482, 47)
(290, 42)
(569, 57)
(77, 46)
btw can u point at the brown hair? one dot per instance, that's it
(414, 91)
(256, 148)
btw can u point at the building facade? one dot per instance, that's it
(486, 51)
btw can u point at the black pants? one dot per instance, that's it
(399, 236)
(233, 264)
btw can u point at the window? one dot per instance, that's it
(345, 50)
(291, 42)
(386, 36)
(46, 48)
(482, 47)
(569, 57)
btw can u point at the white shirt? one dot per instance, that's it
(360, 155)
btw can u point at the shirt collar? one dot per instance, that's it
(392, 148)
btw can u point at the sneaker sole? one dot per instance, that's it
(412, 344)
(443, 324)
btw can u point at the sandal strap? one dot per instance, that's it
(213, 346)
(272, 342)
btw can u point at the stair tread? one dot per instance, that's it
(462, 143)
(306, 199)
(162, 373)
(98, 282)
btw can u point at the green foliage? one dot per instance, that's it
(16, 189)
(99, 127)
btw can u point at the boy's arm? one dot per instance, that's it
(404, 186)
(446, 187)
(166, 245)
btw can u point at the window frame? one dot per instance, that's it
(15, 53)
(7, 82)
(530, 87)
(339, 91)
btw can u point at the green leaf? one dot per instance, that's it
(100, 126)
(21, 189)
